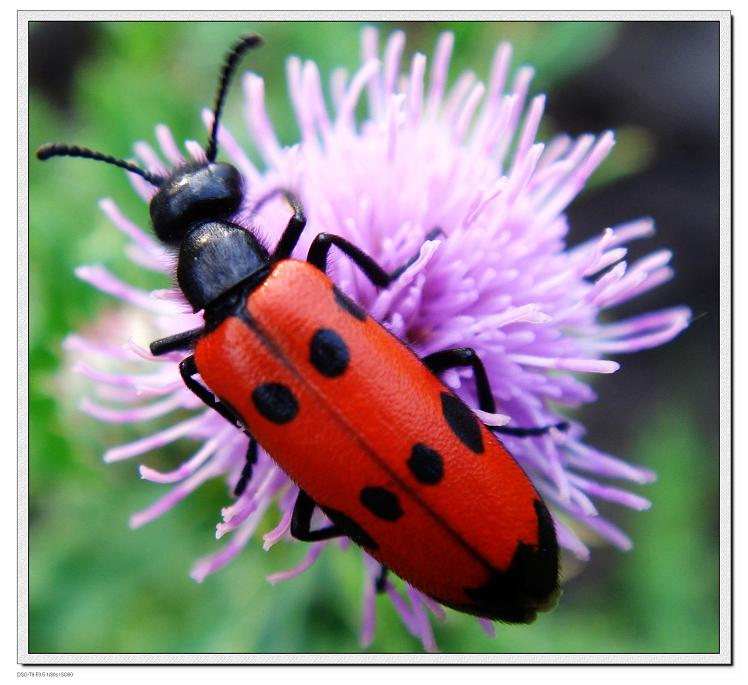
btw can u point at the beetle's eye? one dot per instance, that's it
(207, 192)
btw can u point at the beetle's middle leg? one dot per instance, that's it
(249, 461)
(461, 357)
(188, 370)
(372, 270)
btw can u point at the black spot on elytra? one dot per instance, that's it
(348, 304)
(328, 353)
(426, 464)
(463, 422)
(381, 502)
(275, 402)
(528, 585)
(350, 528)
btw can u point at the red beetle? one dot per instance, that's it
(365, 428)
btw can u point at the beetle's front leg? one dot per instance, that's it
(174, 343)
(293, 231)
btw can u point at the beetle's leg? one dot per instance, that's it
(381, 581)
(272, 194)
(293, 231)
(181, 341)
(376, 274)
(188, 369)
(301, 521)
(321, 245)
(467, 356)
(438, 362)
(433, 234)
(249, 462)
(529, 432)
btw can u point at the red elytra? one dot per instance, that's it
(381, 445)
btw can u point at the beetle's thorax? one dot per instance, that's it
(214, 258)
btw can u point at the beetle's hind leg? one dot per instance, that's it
(461, 357)
(380, 582)
(529, 432)
(301, 522)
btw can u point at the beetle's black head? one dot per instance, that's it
(216, 256)
(195, 193)
(191, 207)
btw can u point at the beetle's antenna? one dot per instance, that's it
(227, 70)
(62, 150)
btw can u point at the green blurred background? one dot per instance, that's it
(95, 586)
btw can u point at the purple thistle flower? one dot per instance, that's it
(500, 280)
